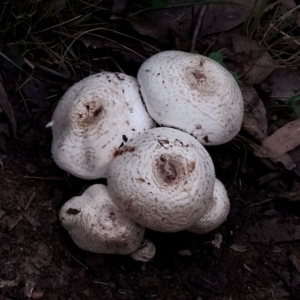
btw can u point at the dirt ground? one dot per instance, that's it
(255, 254)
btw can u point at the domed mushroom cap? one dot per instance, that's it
(96, 224)
(162, 179)
(91, 121)
(192, 93)
(144, 252)
(216, 213)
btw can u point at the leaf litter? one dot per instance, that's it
(47, 259)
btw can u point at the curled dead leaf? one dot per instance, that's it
(255, 120)
(281, 141)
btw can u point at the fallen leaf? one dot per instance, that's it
(245, 57)
(9, 283)
(159, 23)
(119, 7)
(296, 261)
(257, 63)
(238, 248)
(255, 120)
(217, 240)
(225, 16)
(284, 83)
(286, 160)
(281, 141)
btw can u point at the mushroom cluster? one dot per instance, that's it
(161, 178)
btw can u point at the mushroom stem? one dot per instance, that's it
(216, 213)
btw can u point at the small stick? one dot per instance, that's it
(31, 198)
(56, 73)
(258, 203)
(197, 27)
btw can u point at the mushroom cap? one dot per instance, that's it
(96, 224)
(162, 179)
(93, 118)
(192, 93)
(144, 252)
(216, 213)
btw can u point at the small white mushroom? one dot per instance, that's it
(96, 224)
(144, 252)
(162, 179)
(216, 213)
(192, 93)
(93, 119)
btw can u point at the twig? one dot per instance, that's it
(55, 72)
(258, 203)
(31, 198)
(46, 178)
(78, 261)
(197, 27)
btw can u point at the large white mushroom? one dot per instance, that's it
(93, 119)
(216, 213)
(192, 93)
(96, 224)
(162, 179)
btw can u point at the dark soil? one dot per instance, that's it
(255, 254)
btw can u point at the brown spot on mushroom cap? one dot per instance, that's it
(205, 139)
(166, 167)
(120, 151)
(191, 166)
(73, 211)
(199, 75)
(89, 113)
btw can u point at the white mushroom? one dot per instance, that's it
(216, 213)
(93, 119)
(162, 179)
(96, 224)
(144, 252)
(192, 93)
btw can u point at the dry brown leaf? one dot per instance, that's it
(283, 140)
(238, 248)
(255, 120)
(119, 7)
(257, 63)
(9, 283)
(159, 23)
(284, 83)
(217, 240)
(286, 160)
(222, 17)
(296, 261)
(245, 57)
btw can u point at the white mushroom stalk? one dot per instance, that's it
(93, 119)
(163, 179)
(192, 93)
(216, 213)
(96, 224)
